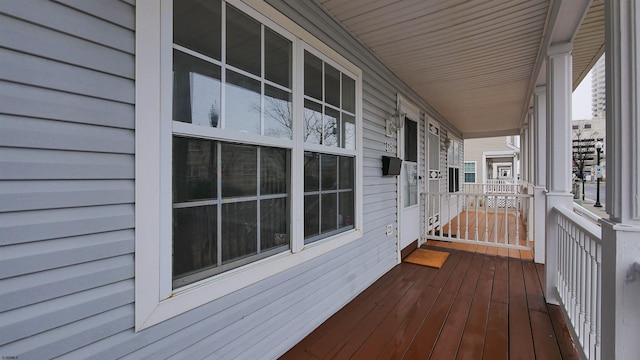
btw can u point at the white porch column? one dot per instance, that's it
(559, 91)
(539, 172)
(621, 233)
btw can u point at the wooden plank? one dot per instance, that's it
(384, 303)
(535, 295)
(567, 347)
(449, 339)
(418, 295)
(496, 346)
(371, 293)
(472, 343)
(501, 281)
(520, 337)
(451, 335)
(426, 337)
(544, 337)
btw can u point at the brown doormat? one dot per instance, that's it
(425, 257)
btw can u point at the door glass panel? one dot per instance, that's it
(410, 184)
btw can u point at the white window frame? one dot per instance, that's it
(155, 300)
(475, 171)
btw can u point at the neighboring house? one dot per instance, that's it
(203, 179)
(495, 158)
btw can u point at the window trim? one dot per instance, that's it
(475, 171)
(153, 302)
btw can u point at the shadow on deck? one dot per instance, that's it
(477, 306)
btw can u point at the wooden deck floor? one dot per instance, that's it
(477, 306)
(488, 226)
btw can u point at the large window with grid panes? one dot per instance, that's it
(260, 142)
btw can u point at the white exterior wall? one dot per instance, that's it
(67, 206)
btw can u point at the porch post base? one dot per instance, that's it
(620, 290)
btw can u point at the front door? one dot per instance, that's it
(410, 217)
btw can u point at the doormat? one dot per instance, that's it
(426, 257)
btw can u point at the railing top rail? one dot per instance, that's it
(591, 229)
(586, 213)
(520, 195)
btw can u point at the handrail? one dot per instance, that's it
(579, 276)
(590, 228)
(586, 213)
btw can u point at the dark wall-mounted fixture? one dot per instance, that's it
(391, 166)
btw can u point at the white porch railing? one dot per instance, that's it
(488, 219)
(494, 186)
(579, 275)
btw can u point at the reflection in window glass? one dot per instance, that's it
(312, 122)
(329, 171)
(328, 207)
(274, 167)
(194, 240)
(242, 103)
(243, 41)
(277, 58)
(194, 169)
(273, 224)
(311, 215)
(331, 85)
(196, 26)
(239, 170)
(312, 76)
(311, 171)
(345, 215)
(239, 229)
(348, 94)
(410, 184)
(277, 113)
(331, 119)
(346, 172)
(196, 90)
(348, 131)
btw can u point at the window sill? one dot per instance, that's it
(205, 291)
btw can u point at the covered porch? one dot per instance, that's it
(484, 303)
(505, 69)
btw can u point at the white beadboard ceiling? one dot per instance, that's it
(475, 61)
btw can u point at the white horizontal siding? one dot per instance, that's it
(66, 177)
(66, 200)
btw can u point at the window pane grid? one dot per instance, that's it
(235, 232)
(252, 220)
(248, 58)
(328, 195)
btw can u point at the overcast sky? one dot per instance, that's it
(581, 106)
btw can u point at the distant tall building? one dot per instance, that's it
(598, 90)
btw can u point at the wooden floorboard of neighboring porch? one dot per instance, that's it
(479, 305)
(488, 226)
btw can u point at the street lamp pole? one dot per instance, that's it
(598, 174)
